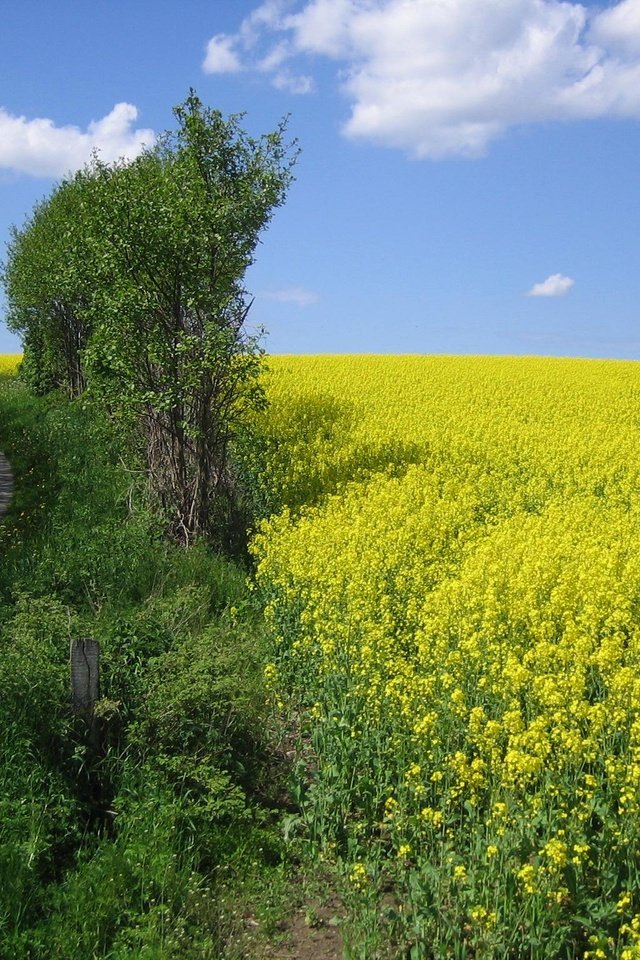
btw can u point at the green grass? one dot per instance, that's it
(158, 842)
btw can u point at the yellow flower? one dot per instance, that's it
(556, 851)
(358, 876)
(451, 575)
(526, 875)
(624, 902)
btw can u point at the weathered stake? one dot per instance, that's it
(84, 656)
(6, 484)
(85, 674)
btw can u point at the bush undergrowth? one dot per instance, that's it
(127, 846)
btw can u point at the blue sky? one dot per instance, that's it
(469, 178)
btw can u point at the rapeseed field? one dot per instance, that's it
(9, 362)
(451, 572)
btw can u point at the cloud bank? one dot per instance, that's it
(554, 286)
(40, 148)
(443, 78)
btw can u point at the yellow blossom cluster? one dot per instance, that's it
(453, 581)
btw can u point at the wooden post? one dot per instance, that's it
(85, 674)
(84, 657)
(6, 484)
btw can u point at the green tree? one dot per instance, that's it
(47, 278)
(153, 265)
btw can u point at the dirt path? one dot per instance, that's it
(6, 484)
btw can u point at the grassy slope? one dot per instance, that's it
(142, 846)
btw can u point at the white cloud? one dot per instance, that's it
(231, 53)
(325, 26)
(42, 149)
(441, 78)
(298, 84)
(221, 57)
(297, 295)
(554, 286)
(275, 57)
(618, 27)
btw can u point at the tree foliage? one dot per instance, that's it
(129, 282)
(47, 280)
